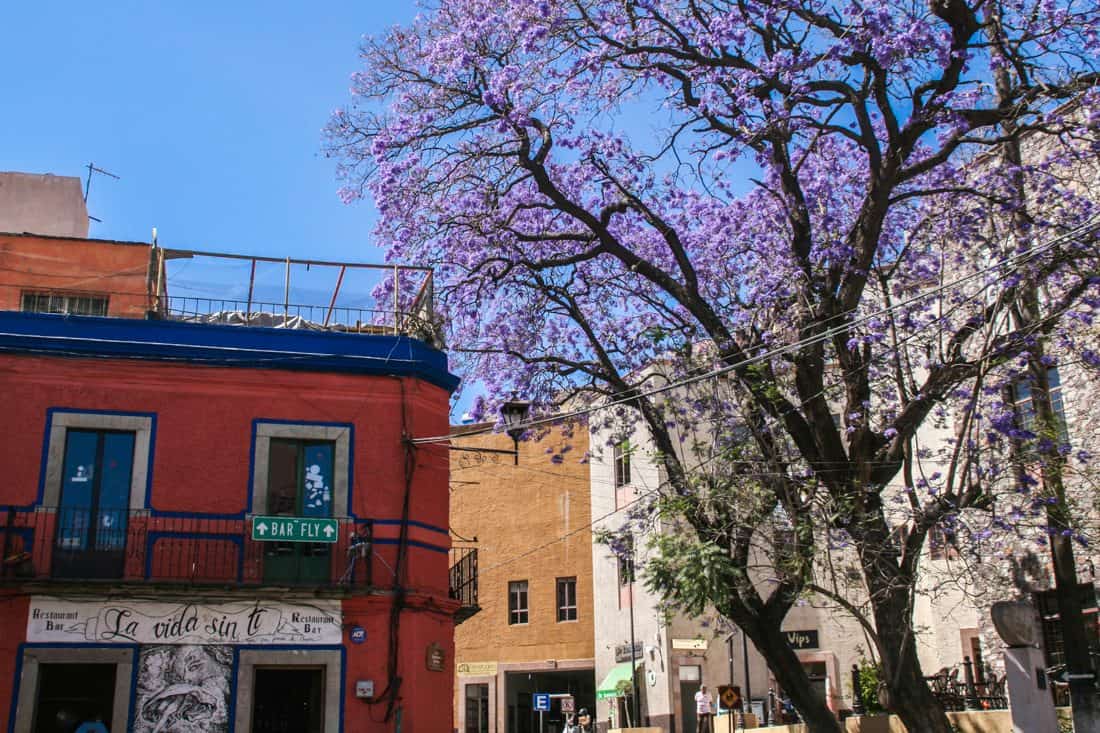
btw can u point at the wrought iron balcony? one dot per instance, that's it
(68, 545)
(463, 581)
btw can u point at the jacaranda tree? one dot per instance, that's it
(811, 195)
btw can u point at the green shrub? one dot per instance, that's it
(869, 674)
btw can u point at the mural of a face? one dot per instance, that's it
(183, 689)
(193, 665)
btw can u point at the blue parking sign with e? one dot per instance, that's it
(542, 702)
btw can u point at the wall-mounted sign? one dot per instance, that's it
(151, 622)
(434, 657)
(357, 635)
(294, 529)
(802, 639)
(699, 645)
(622, 652)
(477, 669)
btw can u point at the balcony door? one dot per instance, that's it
(93, 513)
(299, 484)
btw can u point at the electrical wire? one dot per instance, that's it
(1015, 261)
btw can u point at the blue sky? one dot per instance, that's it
(211, 113)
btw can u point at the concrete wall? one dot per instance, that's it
(42, 204)
(614, 604)
(117, 271)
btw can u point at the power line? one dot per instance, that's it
(1015, 261)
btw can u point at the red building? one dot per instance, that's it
(213, 517)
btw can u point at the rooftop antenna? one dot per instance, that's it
(88, 184)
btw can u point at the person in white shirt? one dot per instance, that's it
(704, 711)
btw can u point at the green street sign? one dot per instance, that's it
(294, 529)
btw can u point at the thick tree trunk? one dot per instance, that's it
(789, 673)
(907, 692)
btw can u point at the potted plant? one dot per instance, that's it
(874, 719)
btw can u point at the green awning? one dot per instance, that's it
(610, 685)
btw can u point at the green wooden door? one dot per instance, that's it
(299, 484)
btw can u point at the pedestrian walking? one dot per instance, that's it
(704, 711)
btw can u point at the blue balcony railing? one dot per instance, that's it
(125, 546)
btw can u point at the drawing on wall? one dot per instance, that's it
(183, 689)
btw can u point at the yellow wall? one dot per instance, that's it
(519, 515)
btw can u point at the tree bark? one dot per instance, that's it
(791, 676)
(907, 691)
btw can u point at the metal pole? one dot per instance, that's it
(745, 655)
(251, 287)
(729, 644)
(633, 651)
(971, 699)
(286, 294)
(332, 303)
(857, 692)
(396, 302)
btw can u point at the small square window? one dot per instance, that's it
(517, 602)
(567, 599)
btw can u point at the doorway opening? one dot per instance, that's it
(288, 700)
(691, 681)
(71, 694)
(299, 484)
(819, 679)
(520, 687)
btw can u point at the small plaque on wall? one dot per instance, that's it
(434, 657)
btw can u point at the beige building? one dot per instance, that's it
(529, 523)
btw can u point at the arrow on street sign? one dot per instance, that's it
(295, 529)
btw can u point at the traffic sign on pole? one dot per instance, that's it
(541, 702)
(295, 529)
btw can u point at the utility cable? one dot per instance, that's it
(1015, 261)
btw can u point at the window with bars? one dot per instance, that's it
(1053, 646)
(626, 562)
(73, 304)
(1026, 418)
(567, 599)
(621, 455)
(477, 708)
(517, 602)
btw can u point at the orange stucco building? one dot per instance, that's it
(534, 630)
(82, 276)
